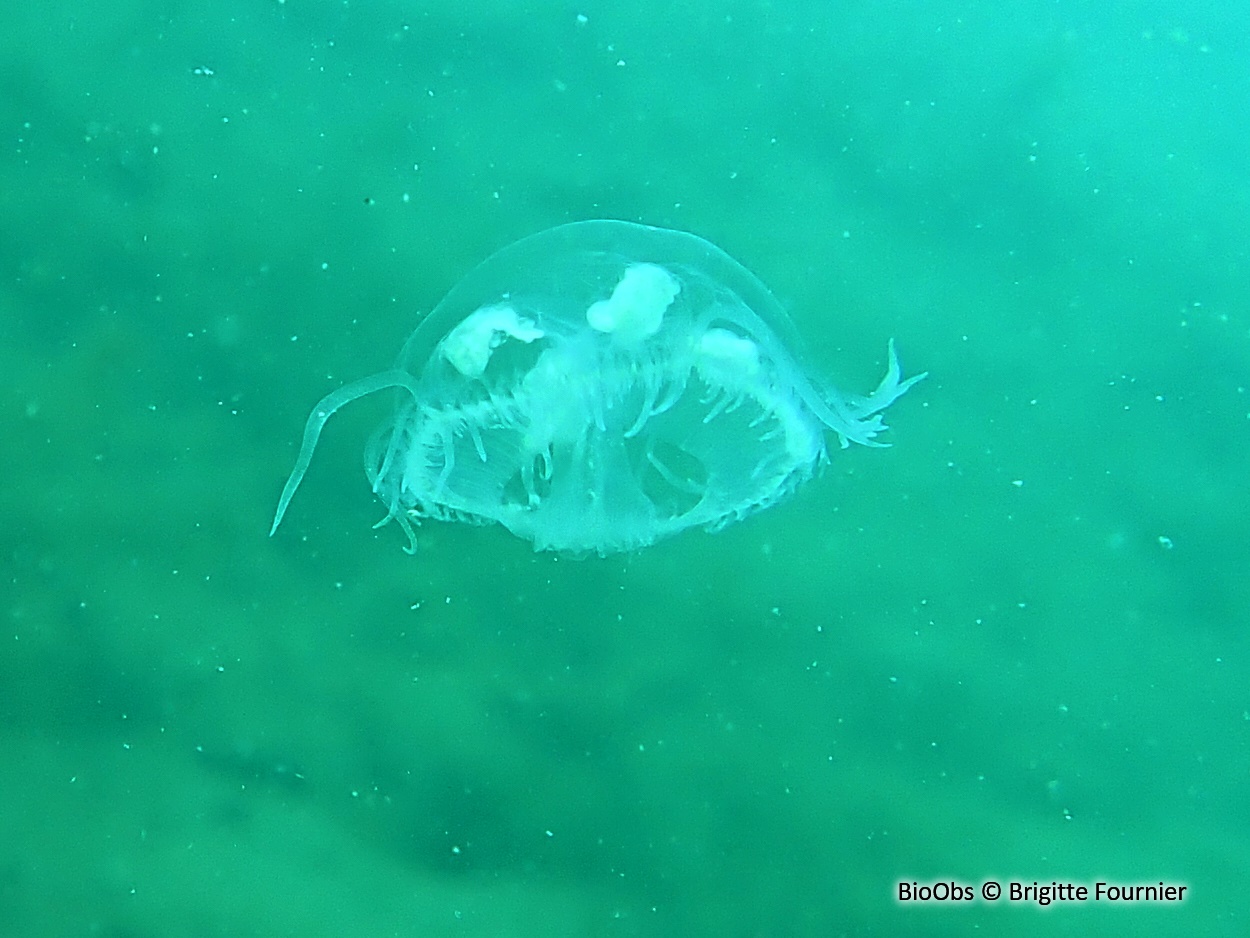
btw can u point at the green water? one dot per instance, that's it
(1011, 647)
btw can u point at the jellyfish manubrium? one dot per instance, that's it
(597, 387)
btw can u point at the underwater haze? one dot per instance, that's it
(1010, 648)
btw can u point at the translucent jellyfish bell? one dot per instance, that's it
(599, 386)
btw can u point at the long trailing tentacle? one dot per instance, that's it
(324, 410)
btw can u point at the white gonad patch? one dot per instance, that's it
(726, 359)
(635, 310)
(597, 387)
(469, 346)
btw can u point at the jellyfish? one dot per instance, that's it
(597, 387)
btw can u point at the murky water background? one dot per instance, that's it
(1013, 645)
